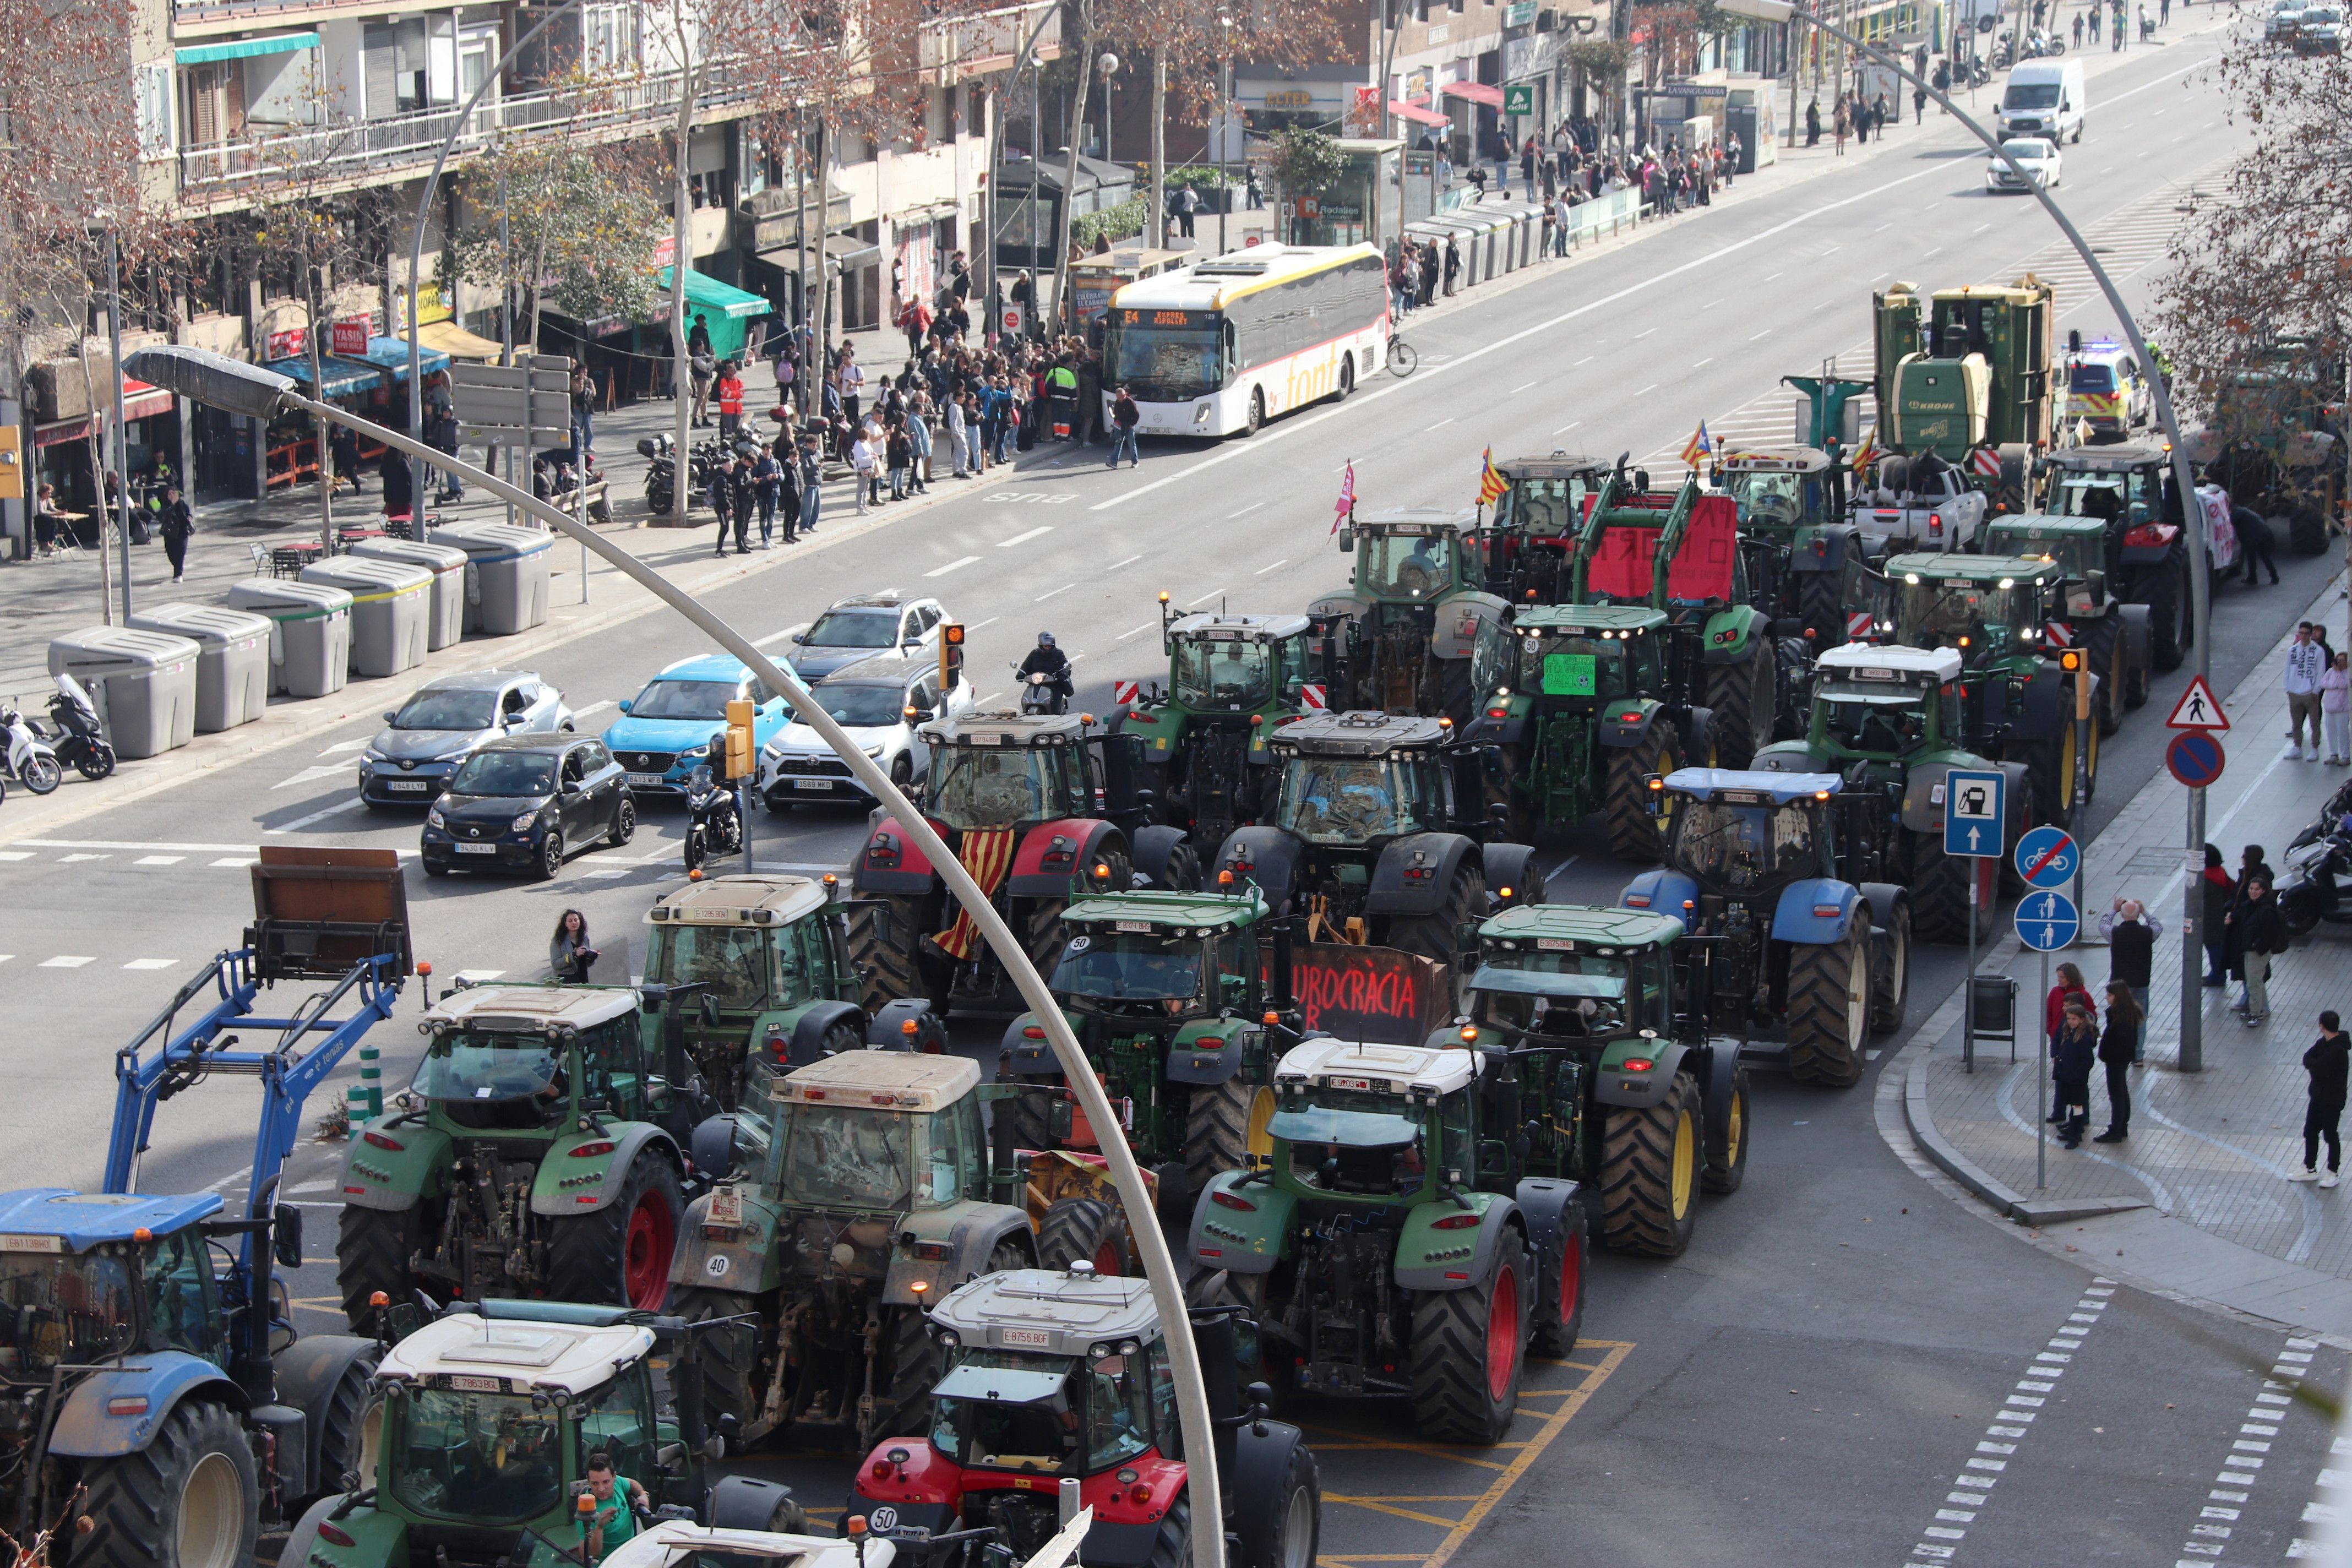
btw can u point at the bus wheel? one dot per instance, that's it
(1346, 375)
(1256, 413)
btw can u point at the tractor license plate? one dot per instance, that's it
(1144, 926)
(32, 1244)
(478, 1385)
(813, 783)
(477, 849)
(726, 1208)
(414, 786)
(645, 781)
(1032, 1339)
(1554, 944)
(1362, 1085)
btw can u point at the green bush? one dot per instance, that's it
(1114, 224)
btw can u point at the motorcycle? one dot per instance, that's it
(30, 761)
(76, 737)
(713, 825)
(2311, 889)
(661, 469)
(1039, 695)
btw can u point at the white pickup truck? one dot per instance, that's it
(1901, 510)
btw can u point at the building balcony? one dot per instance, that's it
(989, 41)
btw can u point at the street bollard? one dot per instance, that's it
(371, 1079)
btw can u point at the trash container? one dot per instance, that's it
(389, 601)
(232, 664)
(506, 575)
(145, 684)
(445, 621)
(310, 632)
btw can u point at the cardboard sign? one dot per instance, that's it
(1377, 995)
(350, 338)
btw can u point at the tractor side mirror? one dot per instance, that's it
(671, 1459)
(709, 1008)
(1059, 1118)
(1347, 542)
(286, 1232)
(714, 1448)
(1261, 1398)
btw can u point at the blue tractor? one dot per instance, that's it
(155, 1407)
(1791, 930)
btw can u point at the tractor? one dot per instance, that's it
(1775, 878)
(1416, 632)
(480, 1428)
(1536, 518)
(1232, 679)
(1971, 375)
(1888, 721)
(1590, 712)
(1059, 1381)
(1040, 808)
(2144, 552)
(1378, 836)
(2276, 442)
(159, 1408)
(1796, 542)
(2115, 639)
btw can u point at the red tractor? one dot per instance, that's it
(1040, 808)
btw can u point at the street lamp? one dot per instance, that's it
(258, 394)
(2192, 1034)
(1109, 66)
(119, 437)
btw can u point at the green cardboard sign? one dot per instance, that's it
(1519, 98)
(1567, 674)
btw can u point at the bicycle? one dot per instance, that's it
(1402, 357)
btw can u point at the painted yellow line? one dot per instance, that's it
(1428, 1451)
(1390, 1509)
(1554, 1425)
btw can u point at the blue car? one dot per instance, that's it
(666, 729)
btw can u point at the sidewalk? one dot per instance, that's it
(2197, 1201)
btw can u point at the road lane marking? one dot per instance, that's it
(1128, 561)
(1049, 594)
(579, 713)
(159, 860)
(151, 964)
(1244, 512)
(1263, 570)
(1439, 425)
(1616, 1350)
(312, 775)
(1521, 388)
(320, 815)
(943, 571)
(342, 746)
(1567, 427)
(1023, 537)
(16, 855)
(71, 859)
(124, 843)
(66, 961)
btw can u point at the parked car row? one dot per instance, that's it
(2305, 29)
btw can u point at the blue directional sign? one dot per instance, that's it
(1973, 807)
(2047, 921)
(2047, 858)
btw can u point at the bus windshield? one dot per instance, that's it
(1167, 364)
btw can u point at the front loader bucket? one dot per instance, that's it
(317, 912)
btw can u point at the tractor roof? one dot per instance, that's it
(1875, 661)
(1969, 570)
(1050, 1312)
(674, 1540)
(1556, 466)
(2115, 459)
(533, 1007)
(2044, 525)
(1417, 520)
(1749, 788)
(1360, 734)
(773, 900)
(522, 1354)
(1167, 909)
(1391, 1070)
(58, 1219)
(1776, 461)
(1580, 926)
(902, 1081)
(1007, 727)
(1207, 627)
(1591, 618)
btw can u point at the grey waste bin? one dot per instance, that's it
(445, 621)
(506, 575)
(233, 665)
(145, 683)
(309, 633)
(389, 602)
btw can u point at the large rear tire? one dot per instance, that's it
(734, 1360)
(1559, 1305)
(373, 1250)
(1468, 1352)
(2102, 651)
(1287, 1526)
(1634, 833)
(1723, 1173)
(1454, 696)
(1821, 604)
(1173, 1547)
(190, 1499)
(2306, 531)
(341, 1423)
(912, 1364)
(1743, 697)
(2164, 589)
(1082, 1230)
(620, 1253)
(1435, 935)
(1218, 1123)
(1828, 1006)
(1890, 971)
(1649, 1174)
(885, 949)
(1939, 894)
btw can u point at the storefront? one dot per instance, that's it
(726, 311)
(371, 384)
(70, 405)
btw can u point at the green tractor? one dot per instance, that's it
(1588, 717)
(2114, 639)
(1967, 372)
(1232, 679)
(1529, 541)
(1796, 541)
(2144, 549)
(2276, 442)
(1415, 631)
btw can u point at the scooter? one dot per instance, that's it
(1039, 695)
(78, 740)
(30, 762)
(713, 825)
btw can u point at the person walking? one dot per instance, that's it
(2131, 932)
(1124, 417)
(2069, 991)
(1527, 166)
(2072, 1051)
(1919, 105)
(851, 377)
(343, 446)
(570, 954)
(2119, 1048)
(2306, 661)
(2330, 1064)
(179, 523)
(583, 411)
(701, 370)
(2336, 709)
(2257, 932)
(2220, 891)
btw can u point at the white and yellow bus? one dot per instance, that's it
(1225, 344)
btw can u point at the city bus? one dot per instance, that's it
(1221, 346)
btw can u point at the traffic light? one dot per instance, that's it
(739, 738)
(2071, 662)
(951, 658)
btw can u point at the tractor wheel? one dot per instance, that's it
(1032, 1113)
(1723, 1175)
(1082, 1230)
(1223, 1125)
(736, 1361)
(1524, 822)
(1939, 893)
(1559, 1304)
(621, 1252)
(1890, 971)
(1828, 1006)
(1173, 1546)
(191, 1499)
(341, 1422)
(885, 949)
(1469, 1351)
(2306, 531)
(1287, 1531)
(2103, 652)
(1821, 604)
(373, 1251)
(1181, 874)
(1743, 696)
(1634, 833)
(1793, 709)
(1454, 696)
(1649, 1174)
(1436, 935)
(2164, 589)
(912, 1363)
(1041, 925)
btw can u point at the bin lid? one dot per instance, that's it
(493, 540)
(369, 582)
(281, 600)
(438, 557)
(212, 626)
(102, 650)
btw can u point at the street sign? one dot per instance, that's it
(2197, 760)
(1973, 807)
(513, 402)
(2047, 921)
(2048, 858)
(2198, 708)
(1519, 98)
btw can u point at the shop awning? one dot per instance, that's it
(454, 341)
(241, 49)
(391, 354)
(1419, 113)
(337, 377)
(140, 401)
(1475, 91)
(709, 294)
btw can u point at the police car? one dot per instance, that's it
(2106, 389)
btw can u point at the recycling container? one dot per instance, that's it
(389, 606)
(145, 684)
(232, 664)
(310, 632)
(444, 620)
(506, 575)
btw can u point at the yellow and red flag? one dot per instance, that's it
(1491, 484)
(987, 854)
(1866, 454)
(1701, 444)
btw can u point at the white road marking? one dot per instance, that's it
(159, 860)
(1051, 592)
(1023, 537)
(943, 571)
(608, 871)
(1586, 360)
(1708, 360)
(71, 859)
(1567, 427)
(1439, 425)
(1128, 561)
(5, 957)
(1647, 390)
(778, 636)
(1644, 332)
(64, 960)
(151, 964)
(1244, 512)
(16, 855)
(125, 843)
(238, 860)
(310, 775)
(1523, 387)
(342, 746)
(319, 816)
(1263, 570)
(1765, 334)
(579, 713)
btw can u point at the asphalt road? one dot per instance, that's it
(1823, 1377)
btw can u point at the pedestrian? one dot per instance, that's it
(584, 410)
(2119, 1048)
(1061, 397)
(2078, 28)
(2329, 1063)
(2069, 991)
(767, 478)
(899, 450)
(1186, 204)
(864, 472)
(1881, 111)
(1813, 122)
(1918, 106)
(2219, 889)
(851, 376)
(1562, 217)
(1452, 264)
(2256, 933)
(2306, 662)
(812, 478)
(1124, 417)
(2336, 709)
(343, 445)
(729, 391)
(958, 438)
(918, 436)
(178, 523)
(721, 495)
(2130, 933)
(1527, 166)
(1840, 124)
(2164, 14)
(569, 954)
(915, 320)
(2256, 542)
(1256, 196)
(788, 485)
(2072, 1051)
(702, 369)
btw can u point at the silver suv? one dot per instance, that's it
(410, 761)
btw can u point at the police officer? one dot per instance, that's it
(1051, 662)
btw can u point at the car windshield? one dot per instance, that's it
(1576, 665)
(1766, 499)
(1344, 800)
(864, 705)
(1572, 995)
(2030, 95)
(836, 1156)
(1030, 1423)
(685, 699)
(854, 628)
(56, 1308)
(514, 774)
(979, 786)
(732, 963)
(1740, 847)
(1546, 509)
(498, 1068)
(2072, 554)
(2092, 378)
(1236, 674)
(1414, 565)
(2103, 496)
(488, 1459)
(1171, 364)
(2027, 150)
(1349, 1140)
(447, 711)
(1120, 965)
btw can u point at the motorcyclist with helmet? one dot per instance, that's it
(1051, 662)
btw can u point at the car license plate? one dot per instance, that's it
(1033, 1339)
(813, 783)
(477, 849)
(414, 785)
(1361, 1085)
(645, 781)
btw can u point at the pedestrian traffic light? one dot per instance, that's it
(739, 738)
(951, 657)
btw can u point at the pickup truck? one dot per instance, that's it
(1933, 510)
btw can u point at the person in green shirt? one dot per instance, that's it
(613, 1520)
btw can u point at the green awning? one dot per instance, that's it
(709, 294)
(238, 48)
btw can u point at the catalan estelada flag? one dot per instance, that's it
(1490, 482)
(1701, 444)
(987, 854)
(1866, 454)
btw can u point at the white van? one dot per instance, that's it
(2046, 99)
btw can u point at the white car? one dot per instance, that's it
(2038, 158)
(881, 701)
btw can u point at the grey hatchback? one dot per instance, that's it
(410, 761)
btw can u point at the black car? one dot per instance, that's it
(523, 801)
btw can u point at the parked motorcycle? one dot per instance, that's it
(76, 735)
(713, 825)
(30, 761)
(2311, 888)
(661, 469)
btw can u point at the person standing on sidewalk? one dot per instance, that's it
(2130, 933)
(2256, 932)
(812, 476)
(2220, 889)
(2069, 992)
(2305, 662)
(2336, 707)
(2119, 1046)
(2072, 1052)
(179, 523)
(2329, 1063)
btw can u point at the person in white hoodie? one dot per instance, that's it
(2306, 662)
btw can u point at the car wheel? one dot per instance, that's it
(436, 867)
(625, 821)
(551, 856)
